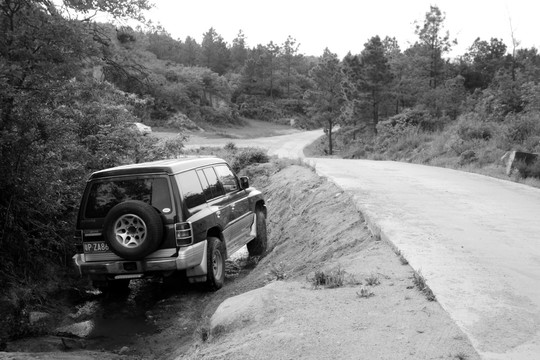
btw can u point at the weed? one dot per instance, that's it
(333, 279)
(230, 146)
(365, 293)
(401, 257)
(461, 356)
(372, 280)
(232, 268)
(277, 272)
(420, 282)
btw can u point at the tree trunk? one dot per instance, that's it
(330, 144)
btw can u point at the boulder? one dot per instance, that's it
(510, 158)
(79, 330)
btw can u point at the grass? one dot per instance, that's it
(461, 356)
(277, 272)
(372, 280)
(401, 257)
(334, 278)
(365, 293)
(331, 279)
(420, 282)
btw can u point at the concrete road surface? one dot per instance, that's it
(475, 239)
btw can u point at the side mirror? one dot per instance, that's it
(244, 182)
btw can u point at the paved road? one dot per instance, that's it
(475, 239)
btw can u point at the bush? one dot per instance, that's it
(467, 157)
(528, 170)
(410, 121)
(471, 128)
(522, 126)
(247, 157)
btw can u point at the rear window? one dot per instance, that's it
(104, 195)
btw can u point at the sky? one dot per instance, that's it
(346, 25)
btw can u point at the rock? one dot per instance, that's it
(37, 318)
(72, 344)
(124, 350)
(511, 157)
(251, 307)
(81, 330)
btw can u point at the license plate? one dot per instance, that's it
(95, 247)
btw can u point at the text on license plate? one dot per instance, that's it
(95, 247)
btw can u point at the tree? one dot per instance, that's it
(436, 41)
(375, 77)
(366, 84)
(57, 124)
(163, 46)
(289, 54)
(239, 52)
(190, 52)
(483, 60)
(214, 52)
(273, 51)
(326, 97)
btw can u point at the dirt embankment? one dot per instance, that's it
(315, 232)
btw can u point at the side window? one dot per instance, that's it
(227, 178)
(191, 189)
(215, 189)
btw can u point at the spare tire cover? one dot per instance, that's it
(133, 229)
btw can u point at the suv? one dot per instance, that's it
(160, 217)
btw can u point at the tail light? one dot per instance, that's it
(78, 240)
(184, 233)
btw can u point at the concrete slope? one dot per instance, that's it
(475, 239)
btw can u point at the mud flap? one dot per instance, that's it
(198, 273)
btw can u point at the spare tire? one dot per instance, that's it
(133, 230)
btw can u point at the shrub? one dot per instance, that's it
(467, 157)
(420, 282)
(522, 126)
(470, 128)
(528, 170)
(332, 279)
(248, 156)
(409, 122)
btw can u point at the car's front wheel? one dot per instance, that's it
(215, 263)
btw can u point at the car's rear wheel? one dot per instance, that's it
(133, 230)
(215, 264)
(257, 246)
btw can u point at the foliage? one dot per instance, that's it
(470, 128)
(528, 170)
(420, 282)
(248, 156)
(332, 279)
(435, 41)
(326, 97)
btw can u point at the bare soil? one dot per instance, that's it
(269, 308)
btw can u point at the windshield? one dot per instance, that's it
(104, 195)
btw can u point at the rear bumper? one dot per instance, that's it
(188, 257)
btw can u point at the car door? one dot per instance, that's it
(241, 216)
(219, 203)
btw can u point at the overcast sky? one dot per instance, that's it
(346, 25)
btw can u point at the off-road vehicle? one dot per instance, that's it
(161, 217)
